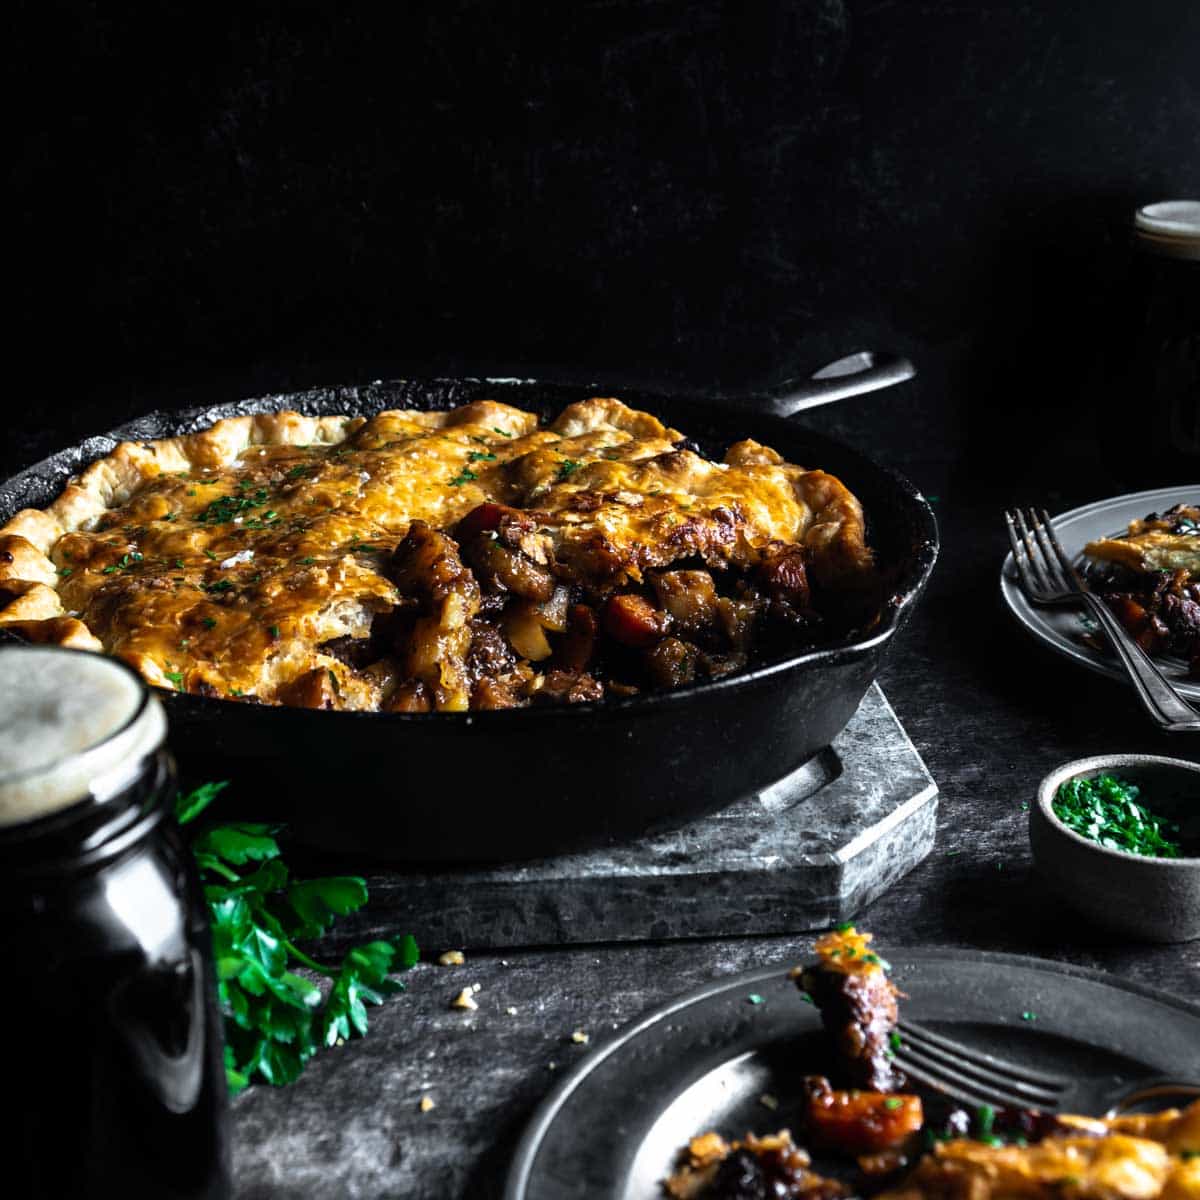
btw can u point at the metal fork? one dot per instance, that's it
(1048, 577)
(975, 1078)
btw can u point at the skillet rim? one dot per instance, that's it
(917, 566)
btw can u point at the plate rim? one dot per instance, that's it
(1026, 615)
(544, 1115)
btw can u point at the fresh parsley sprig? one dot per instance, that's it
(275, 1018)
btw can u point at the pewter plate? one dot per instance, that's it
(1062, 628)
(612, 1128)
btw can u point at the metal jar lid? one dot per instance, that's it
(1170, 228)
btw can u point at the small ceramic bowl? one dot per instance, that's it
(1151, 899)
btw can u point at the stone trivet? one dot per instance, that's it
(805, 853)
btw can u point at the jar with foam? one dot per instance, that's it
(114, 1039)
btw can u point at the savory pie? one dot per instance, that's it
(1150, 577)
(419, 561)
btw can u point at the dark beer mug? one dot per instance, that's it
(113, 1041)
(1151, 422)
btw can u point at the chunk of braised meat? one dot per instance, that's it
(503, 568)
(577, 646)
(356, 652)
(410, 697)
(858, 1122)
(568, 687)
(690, 599)
(737, 618)
(756, 1168)
(857, 1002)
(490, 654)
(633, 621)
(672, 663)
(783, 574)
(426, 566)
(312, 689)
(1181, 614)
(490, 694)
(768, 1175)
(489, 518)
(494, 539)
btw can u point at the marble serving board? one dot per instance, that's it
(805, 853)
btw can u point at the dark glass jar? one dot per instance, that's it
(1151, 429)
(113, 1049)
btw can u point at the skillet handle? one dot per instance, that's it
(853, 375)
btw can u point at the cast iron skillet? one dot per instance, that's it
(529, 782)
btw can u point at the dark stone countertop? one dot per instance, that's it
(989, 710)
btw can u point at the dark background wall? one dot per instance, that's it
(711, 196)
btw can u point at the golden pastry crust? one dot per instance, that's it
(225, 562)
(1170, 542)
(1126, 1158)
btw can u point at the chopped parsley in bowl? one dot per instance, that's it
(1117, 837)
(1107, 810)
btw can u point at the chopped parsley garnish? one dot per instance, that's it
(567, 468)
(754, 998)
(462, 477)
(224, 508)
(501, 432)
(275, 1018)
(333, 679)
(179, 564)
(985, 1119)
(844, 927)
(222, 585)
(296, 472)
(894, 1040)
(1028, 1016)
(477, 456)
(176, 677)
(308, 558)
(210, 554)
(210, 622)
(273, 630)
(236, 692)
(893, 1103)
(125, 561)
(65, 571)
(1105, 810)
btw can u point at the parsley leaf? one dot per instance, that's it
(464, 476)
(275, 1017)
(567, 468)
(189, 807)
